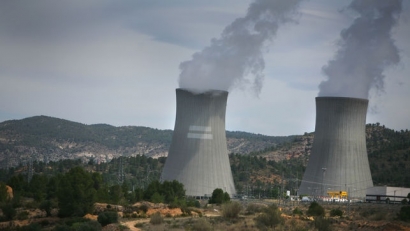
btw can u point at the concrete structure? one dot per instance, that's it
(381, 193)
(198, 155)
(339, 156)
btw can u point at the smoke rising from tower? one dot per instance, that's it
(236, 58)
(366, 48)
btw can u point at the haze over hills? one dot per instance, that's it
(44, 138)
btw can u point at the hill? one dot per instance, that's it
(46, 139)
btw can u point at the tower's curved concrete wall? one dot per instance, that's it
(339, 156)
(198, 155)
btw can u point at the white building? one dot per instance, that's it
(383, 193)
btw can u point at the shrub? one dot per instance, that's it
(322, 224)
(297, 211)
(87, 226)
(404, 213)
(254, 208)
(202, 225)
(107, 217)
(31, 227)
(156, 219)
(62, 227)
(22, 215)
(8, 211)
(404, 201)
(315, 210)
(193, 203)
(231, 210)
(336, 212)
(270, 217)
(143, 208)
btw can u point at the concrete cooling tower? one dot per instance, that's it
(338, 161)
(198, 155)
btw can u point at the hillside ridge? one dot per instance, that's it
(45, 138)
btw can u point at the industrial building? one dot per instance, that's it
(198, 155)
(386, 194)
(338, 161)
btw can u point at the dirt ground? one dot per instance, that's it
(360, 216)
(364, 217)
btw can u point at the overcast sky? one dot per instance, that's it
(117, 62)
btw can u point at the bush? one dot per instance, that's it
(336, 212)
(143, 208)
(404, 201)
(193, 203)
(231, 210)
(315, 210)
(202, 225)
(156, 219)
(87, 226)
(8, 211)
(322, 224)
(22, 215)
(270, 217)
(297, 211)
(254, 208)
(31, 227)
(107, 217)
(404, 213)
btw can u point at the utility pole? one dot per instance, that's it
(348, 201)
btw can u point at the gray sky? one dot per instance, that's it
(117, 62)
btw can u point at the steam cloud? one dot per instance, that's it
(236, 58)
(366, 48)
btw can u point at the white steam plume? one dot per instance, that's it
(236, 58)
(366, 48)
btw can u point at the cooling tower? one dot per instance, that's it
(198, 155)
(338, 161)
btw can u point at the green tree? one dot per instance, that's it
(38, 187)
(18, 183)
(115, 194)
(172, 190)
(219, 197)
(153, 187)
(157, 198)
(226, 197)
(3, 192)
(46, 205)
(76, 194)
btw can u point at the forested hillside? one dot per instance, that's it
(258, 161)
(50, 139)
